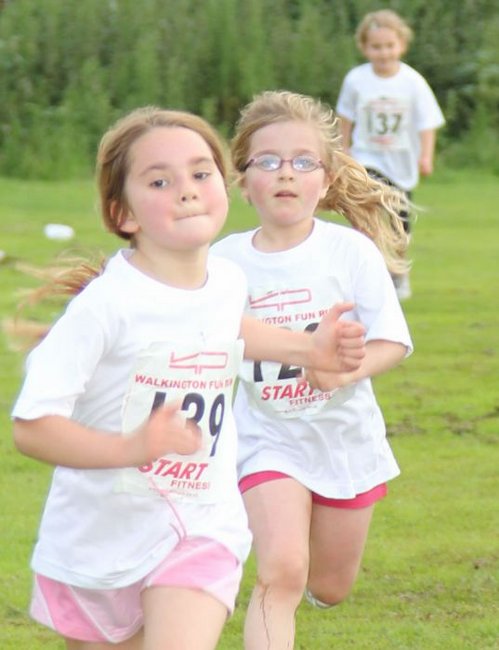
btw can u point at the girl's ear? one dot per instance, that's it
(123, 218)
(245, 195)
(244, 191)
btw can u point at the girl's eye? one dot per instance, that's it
(160, 182)
(200, 176)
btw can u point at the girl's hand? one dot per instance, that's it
(339, 345)
(324, 381)
(166, 431)
(426, 166)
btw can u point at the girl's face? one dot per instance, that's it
(384, 48)
(175, 193)
(285, 197)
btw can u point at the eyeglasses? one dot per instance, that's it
(269, 162)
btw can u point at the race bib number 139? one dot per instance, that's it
(202, 381)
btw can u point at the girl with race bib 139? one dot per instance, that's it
(144, 531)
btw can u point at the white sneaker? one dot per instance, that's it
(402, 286)
(315, 602)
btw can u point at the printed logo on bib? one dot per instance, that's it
(280, 299)
(273, 387)
(203, 381)
(383, 124)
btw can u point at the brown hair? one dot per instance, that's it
(370, 206)
(383, 18)
(113, 155)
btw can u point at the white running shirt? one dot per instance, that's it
(126, 344)
(388, 114)
(336, 447)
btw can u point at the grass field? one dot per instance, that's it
(430, 578)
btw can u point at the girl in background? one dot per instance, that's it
(389, 114)
(311, 464)
(129, 396)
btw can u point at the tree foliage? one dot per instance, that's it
(67, 69)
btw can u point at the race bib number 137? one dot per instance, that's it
(383, 124)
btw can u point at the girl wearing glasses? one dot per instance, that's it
(311, 464)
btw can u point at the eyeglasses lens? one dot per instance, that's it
(271, 162)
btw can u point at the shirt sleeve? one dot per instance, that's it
(345, 106)
(428, 112)
(377, 304)
(60, 367)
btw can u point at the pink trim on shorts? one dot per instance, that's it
(361, 500)
(114, 615)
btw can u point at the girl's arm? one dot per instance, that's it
(380, 356)
(346, 134)
(428, 139)
(335, 345)
(58, 440)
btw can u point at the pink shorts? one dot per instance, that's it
(114, 615)
(361, 500)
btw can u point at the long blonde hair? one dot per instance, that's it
(70, 276)
(372, 207)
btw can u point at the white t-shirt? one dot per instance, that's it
(126, 344)
(333, 443)
(388, 114)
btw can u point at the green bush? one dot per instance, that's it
(67, 69)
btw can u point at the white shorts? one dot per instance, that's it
(114, 615)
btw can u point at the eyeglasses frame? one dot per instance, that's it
(319, 163)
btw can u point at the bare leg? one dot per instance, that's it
(279, 516)
(181, 619)
(337, 542)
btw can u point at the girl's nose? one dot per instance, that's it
(286, 170)
(188, 194)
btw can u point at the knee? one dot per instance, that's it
(324, 594)
(284, 571)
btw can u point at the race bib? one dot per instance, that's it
(202, 379)
(273, 387)
(382, 124)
